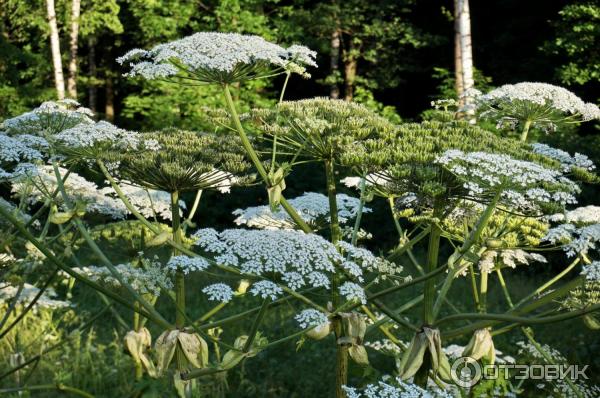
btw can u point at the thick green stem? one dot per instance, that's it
(256, 160)
(525, 131)
(483, 289)
(341, 371)
(179, 275)
(179, 279)
(433, 250)
(359, 213)
(256, 325)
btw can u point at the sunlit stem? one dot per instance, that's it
(361, 205)
(212, 312)
(139, 370)
(549, 283)
(179, 278)
(256, 160)
(483, 289)
(526, 127)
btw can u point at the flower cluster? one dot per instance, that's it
(538, 103)
(149, 202)
(17, 154)
(566, 160)
(353, 292)
(525, 185)
(312, 207)
(266, 289)
(218, 292)
(27, 294)
(217, 58)
(292, 258)
(310, 318)
(90, 138)
(581, 215)
(359, 260)
(575, 240)
(592, 271)
(509, 258)
(40, 183)
(186, 264)
(394, 388)
(146, 278)
(403, 159)
(49, 118)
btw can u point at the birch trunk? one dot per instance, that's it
(59, 80)
(73, 39)
(466, 51)
(458, 71)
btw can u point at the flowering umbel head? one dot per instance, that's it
(213, 57)
(540, 104)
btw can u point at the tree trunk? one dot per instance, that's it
(73, 38)
(93, 71)
(466, 51)
(458, 71)
(350, 63)
(334, 60)
(59, 80)
(109, 109)
(349, 78)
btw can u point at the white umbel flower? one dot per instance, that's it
(87, 136)
(575, 240)
(218, 292)
(187, 264)
(49, 118)
(353, 292)
(149, 278)
(389, 387)
(524, 185)
(592, 271)
(312, 207)
(567, 161)
(310, 317)
(541, 95)
(28, 293)
(266, 289)
(217, 58)
(16, 155)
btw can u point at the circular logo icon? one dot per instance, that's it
(465, 371)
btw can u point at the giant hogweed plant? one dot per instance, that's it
(495, 201)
